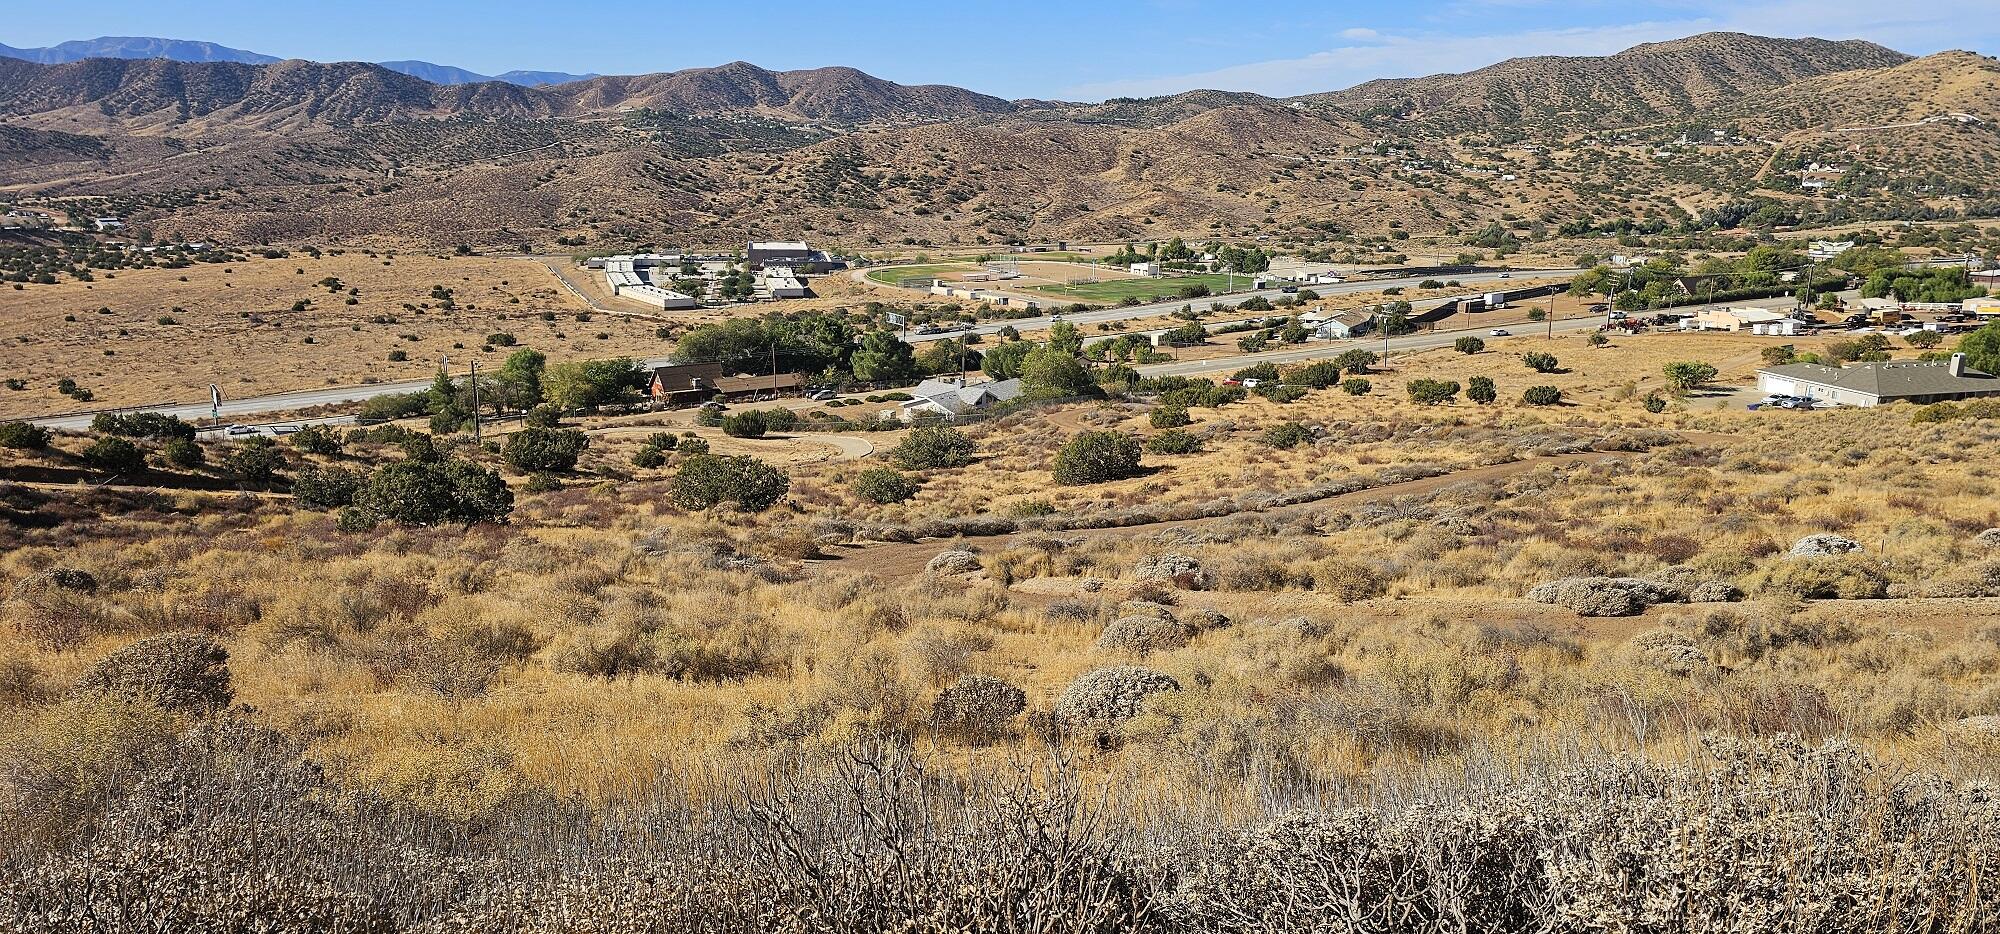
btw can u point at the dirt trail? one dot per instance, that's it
(907, 559)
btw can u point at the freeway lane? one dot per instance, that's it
(235, 409)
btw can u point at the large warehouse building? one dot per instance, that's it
(1870, 384)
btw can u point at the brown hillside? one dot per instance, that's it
(1647, 83)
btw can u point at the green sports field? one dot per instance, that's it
(891, 275)
(1114, 290)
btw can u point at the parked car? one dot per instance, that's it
(1499, 332)
(1251, 383)
(823, 395)
(1288, 289)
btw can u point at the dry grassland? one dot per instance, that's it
(233, 326)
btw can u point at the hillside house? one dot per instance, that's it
(953, 397)
(1872, 384)
(1344, 325)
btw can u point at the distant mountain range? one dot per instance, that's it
(296, 151)
(182, 50)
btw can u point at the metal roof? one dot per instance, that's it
(1891, 380)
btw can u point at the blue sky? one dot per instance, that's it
(1071, 51)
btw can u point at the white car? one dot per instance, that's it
(1499, 332)
(1251, 383)
(240, 430)
(823, 395)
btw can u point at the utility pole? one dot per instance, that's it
(475, 400)
(1552, 314)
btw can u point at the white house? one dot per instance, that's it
(1149, 270)
(953, 397)
(1828, 249)
(1344, 325)
(1871, 384)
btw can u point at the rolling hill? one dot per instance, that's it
(291, 150)
(1644, 84)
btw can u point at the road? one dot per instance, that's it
(1422, 340)
(1156, 309)
(233, 410)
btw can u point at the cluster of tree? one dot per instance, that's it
(1946, 284)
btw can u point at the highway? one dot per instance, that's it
(234, 410)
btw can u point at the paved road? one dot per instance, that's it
(234, 410)
(1422, 340)
(1155, 309)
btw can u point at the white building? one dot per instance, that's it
(953, 397)
(631, 277)
(1149, 270)
(1828, 249)
(1872, 384)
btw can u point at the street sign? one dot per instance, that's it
(896, 318)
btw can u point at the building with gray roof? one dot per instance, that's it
(1869, 384)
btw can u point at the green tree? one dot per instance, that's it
(1426, 391)
(1317, 375)
(1004, 361)
(589, 384)
(1170, 416)
(1049, 373)
(318, 487)
(185, 453)
(705, 481)
(518, 383)
(884, 485)
(1982, 348)
(1173, 441)
(1480, 389)
(544, 450)
(23, 436)
(1923, 340)
(933, 447)
(1063, 337)
(1687, 375)
(1542, 395)
(114, 455)
(1468, 345)
(316, 439)
(1287, 435)
(1541, 362)
(1356, 386)
(434, 493)
(883, 358)
(256, 459)
(1356, 362)
(748, 424)
(1779, 355)
(1097, 457)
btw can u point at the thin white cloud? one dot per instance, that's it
(1391, 56)
(1919, 28)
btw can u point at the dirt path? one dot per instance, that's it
(907, 559)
